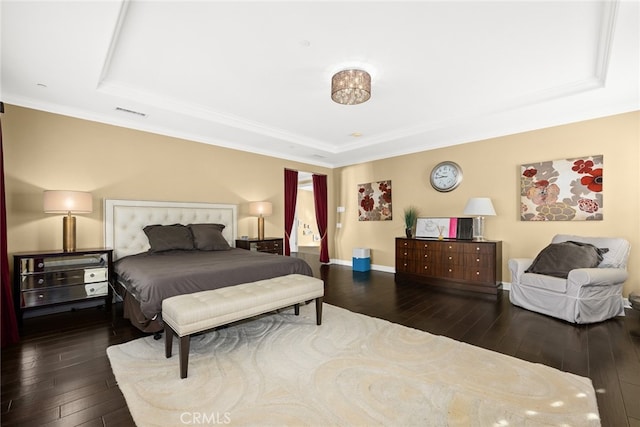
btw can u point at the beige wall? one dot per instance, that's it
(46, 151)
(491, 169)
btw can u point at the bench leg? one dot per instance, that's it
(296, 309)
(184, 355)
(168, 341)
(319, 311)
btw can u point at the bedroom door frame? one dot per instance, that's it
(307, 179)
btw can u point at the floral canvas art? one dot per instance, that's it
(562, 190)
(374, 201)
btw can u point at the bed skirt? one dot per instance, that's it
(133, 312)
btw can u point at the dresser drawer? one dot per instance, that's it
(480, 248)
(480, 275)
(267, 246)
(475, 261)
(48, 280)
(48, 296)
(95, 275)
(96, 289)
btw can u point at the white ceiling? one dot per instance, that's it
(255, 76)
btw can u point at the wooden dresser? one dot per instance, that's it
(457, 264)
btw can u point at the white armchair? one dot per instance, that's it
(587, 295)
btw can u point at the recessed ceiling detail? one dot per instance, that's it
(445, 72)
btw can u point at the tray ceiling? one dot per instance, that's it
(255, 76)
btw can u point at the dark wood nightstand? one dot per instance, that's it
(272, 245)
(47, 278)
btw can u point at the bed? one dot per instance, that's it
(154, 258)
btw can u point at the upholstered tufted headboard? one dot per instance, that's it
(125, 219)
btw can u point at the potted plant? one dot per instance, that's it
(410, 216)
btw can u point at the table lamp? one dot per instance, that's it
(479, 207)
(68, 202)
(260, 209)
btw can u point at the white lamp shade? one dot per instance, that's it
(479, 206)
(260, 208)
(56, 201)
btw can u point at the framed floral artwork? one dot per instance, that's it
(562, 190)
(374, 201)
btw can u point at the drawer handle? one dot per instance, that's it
(405, 254)
(450, 270)
(477, 259)
(426, 256)
(40, 281)
(450, 247)
(450, 257)
(477, 248)
(40, 295)
(477, 273)
(40, 264)
(92, 275)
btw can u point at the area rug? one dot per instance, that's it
(353, 370)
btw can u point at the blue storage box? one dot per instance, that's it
(361, 259)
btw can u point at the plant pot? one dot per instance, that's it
(409, 233)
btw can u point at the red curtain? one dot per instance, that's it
(290, 197)
(320, 199)
(9, 323)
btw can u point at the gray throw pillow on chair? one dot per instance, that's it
(558, 259)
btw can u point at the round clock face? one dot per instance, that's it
(446, 176)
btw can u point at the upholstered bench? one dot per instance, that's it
(184, 315)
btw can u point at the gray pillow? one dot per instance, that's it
(558, 259)
(169, 237)
(208, 237)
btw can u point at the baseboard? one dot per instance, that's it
(506, 286)
(375, 267)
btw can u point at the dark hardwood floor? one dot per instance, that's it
(59, 373)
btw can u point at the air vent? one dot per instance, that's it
(125, 110)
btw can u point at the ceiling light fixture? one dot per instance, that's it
(351, 87)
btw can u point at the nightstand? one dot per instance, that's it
(272, 245)
(47, 278)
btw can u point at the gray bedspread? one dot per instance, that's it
(152, 277)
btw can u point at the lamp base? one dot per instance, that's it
(69, 233)
(478, 228)
(260, 228)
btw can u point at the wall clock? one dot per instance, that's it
(446, 176)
